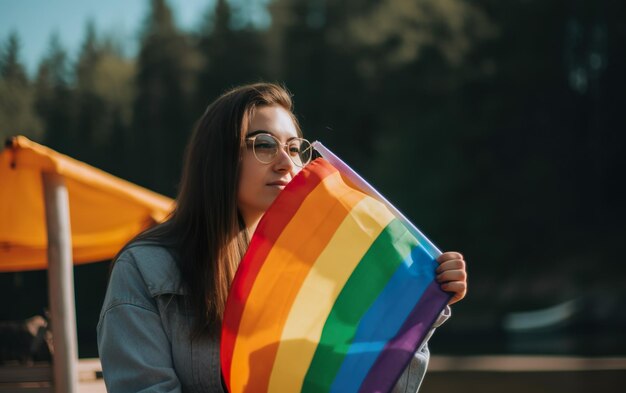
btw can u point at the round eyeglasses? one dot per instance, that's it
(265, 148)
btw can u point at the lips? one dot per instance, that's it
(278, 183)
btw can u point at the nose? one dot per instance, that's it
(282, 162)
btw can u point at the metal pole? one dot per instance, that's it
(61, 284)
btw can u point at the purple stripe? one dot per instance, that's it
(397, 354)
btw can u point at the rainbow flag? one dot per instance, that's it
(335, 293)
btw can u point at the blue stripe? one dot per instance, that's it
(385, 318)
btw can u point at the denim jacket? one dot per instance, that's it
(144, 332)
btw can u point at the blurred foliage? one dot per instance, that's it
(497, 127)
(16, 94)
(165, 77)
(402, 29)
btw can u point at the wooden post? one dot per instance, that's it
(61, 284)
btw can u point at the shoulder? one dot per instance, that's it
(151, 265)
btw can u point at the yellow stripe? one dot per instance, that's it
(320, 291)
(259, 329)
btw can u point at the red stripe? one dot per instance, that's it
(290, 200)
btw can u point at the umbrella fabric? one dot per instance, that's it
(105, 211)
(333, 294)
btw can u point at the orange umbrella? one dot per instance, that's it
(105, 211)
(55, 211)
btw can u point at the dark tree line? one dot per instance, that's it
(498, 127)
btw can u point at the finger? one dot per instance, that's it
(458, 288)
(455, 299)
(452, 275)
(446, 256)
(454, 264)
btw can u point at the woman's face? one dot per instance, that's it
(260, 184)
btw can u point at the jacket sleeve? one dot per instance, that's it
(412, 377)
(134, 348)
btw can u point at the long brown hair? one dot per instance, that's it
(206, 228)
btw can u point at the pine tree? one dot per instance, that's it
(54, 99)
(10, 67)
(104, 92)
(17, 115)
(232, 55)
(166, 72)
(92, 116)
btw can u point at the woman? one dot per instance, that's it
(160, 321)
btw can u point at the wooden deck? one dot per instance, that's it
(453, 374)
(38, 378)
(523, 374)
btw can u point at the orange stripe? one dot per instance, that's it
(293, 254)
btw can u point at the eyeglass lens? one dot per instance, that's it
(266, 149)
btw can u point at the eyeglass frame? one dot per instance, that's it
(282, 146)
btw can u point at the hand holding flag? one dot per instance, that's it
(451, 275)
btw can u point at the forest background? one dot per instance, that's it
(497, 127)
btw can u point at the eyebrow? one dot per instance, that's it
(257, 132)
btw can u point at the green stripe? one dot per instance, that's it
(369, 278)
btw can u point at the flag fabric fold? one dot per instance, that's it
(335, 292)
